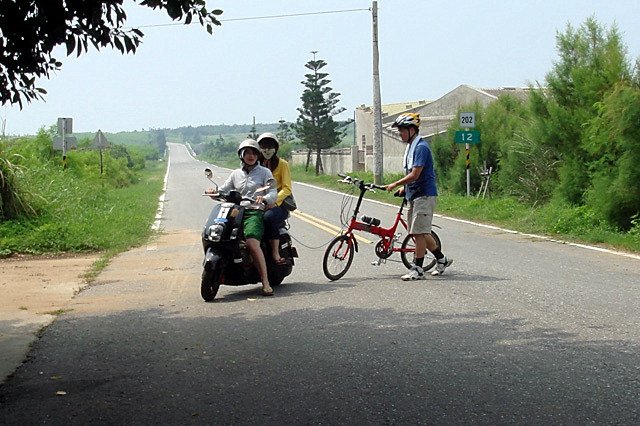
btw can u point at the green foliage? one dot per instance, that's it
(12, 202)
(74, 207)
(614, 142)
(592, 61)
(573, 142)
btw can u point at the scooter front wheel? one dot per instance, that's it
(338, 257)
(210, 284)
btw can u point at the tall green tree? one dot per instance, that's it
(591, 61)
(315, 125)
(614, 142)
(30, 30)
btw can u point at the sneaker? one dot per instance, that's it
(441, 265)
(415, 273)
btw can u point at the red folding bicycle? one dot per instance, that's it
(339, 254)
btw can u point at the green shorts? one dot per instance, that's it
(253, 224)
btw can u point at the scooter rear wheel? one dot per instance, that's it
(210, 284)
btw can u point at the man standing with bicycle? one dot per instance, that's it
(420, 192)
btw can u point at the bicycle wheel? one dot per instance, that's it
(338, 257)
(407, 254)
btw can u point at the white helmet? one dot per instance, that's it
(248, 143)
(269, 137)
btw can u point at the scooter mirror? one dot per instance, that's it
(208, 173)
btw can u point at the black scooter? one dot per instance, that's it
(226, 258)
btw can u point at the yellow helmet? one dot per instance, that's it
(407, 119)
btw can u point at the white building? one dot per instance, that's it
(436, 116)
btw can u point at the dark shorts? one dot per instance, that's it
(253, 224)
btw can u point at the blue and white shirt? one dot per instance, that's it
(418, 154)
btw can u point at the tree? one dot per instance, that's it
(161, 141)
(614, 139)
(591, 62)
(315, 125)
(30, 30)
(285, 132)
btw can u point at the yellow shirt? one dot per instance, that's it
(282, 174)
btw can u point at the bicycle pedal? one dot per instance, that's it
(378, 262)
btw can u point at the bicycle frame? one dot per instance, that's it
(387, 235)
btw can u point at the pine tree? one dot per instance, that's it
(315, 125)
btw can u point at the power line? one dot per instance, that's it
(253, 18)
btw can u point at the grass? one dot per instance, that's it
(89, 217)
(561, 222)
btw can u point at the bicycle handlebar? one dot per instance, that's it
(360, 182)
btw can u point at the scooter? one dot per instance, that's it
(226, 257)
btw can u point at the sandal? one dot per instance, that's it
(281, 261)
(267, 292)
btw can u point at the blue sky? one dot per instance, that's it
(183, 76)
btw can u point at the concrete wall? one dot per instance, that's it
(333, 161)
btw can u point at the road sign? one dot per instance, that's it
(468, 136)
(100, 141)
(467, 119)
(65, 125)
(71, 143)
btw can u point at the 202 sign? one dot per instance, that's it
(467, 119)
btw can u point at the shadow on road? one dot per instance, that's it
(333, 365)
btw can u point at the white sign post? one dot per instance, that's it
(65, 126)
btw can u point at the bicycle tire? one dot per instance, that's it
(338, 257)
(409, 247)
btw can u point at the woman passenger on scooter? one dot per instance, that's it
(250, 181)
(276, 213)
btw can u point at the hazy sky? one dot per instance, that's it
(183, 76)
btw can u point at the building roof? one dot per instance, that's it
(397, 108)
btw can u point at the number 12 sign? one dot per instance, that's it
(468, 119)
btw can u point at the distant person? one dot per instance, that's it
(249, 180)
(421, 194)
(277, 213)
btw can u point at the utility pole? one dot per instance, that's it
(377, 107)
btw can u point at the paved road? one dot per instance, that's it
(520, 331)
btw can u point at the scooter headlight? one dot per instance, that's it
(215, 232)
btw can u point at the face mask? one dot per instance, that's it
(268, 152)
